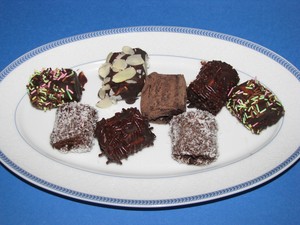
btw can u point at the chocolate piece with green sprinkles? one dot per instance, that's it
(50, 88)
(255, 106)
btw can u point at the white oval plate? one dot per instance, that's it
(150, 178)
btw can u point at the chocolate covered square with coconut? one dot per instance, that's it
(74, 128)
(123, 76)
(194, 138)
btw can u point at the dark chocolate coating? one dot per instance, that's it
(254, 106)
(210, 88)
(123, 135)
(49, 88)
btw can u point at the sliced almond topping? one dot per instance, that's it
(118, 65)
(106, 87)
(101, 93)
(106, 80)
(104, 70)
(124, 75)
(108, 57)
(131, 81)
(135, 60)
(120, 55)
(104, 103)
(128, 50)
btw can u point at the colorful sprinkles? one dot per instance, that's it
(50, 88)
(254, 105)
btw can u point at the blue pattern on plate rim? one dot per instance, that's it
(163, 202)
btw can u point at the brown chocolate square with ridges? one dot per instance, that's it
(163, 96)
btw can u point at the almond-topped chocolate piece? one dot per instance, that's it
(123, 75)
(210, 88)
(124, 134)
(163, 96)
(255, 106)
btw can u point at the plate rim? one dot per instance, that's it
(161, 202)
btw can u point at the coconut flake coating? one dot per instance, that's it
(74, 127)
(194, 138)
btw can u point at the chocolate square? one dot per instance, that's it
(49, 88)
(74, 127)
(210, 88)
(124, 134)
(194, 138)
(163, 96)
